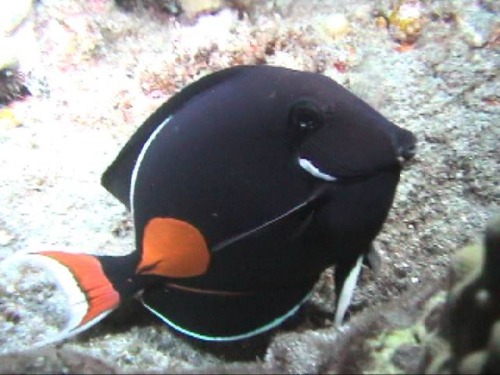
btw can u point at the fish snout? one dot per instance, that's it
(405, 146)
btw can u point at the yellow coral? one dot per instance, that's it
(406, 21)
(8, 119)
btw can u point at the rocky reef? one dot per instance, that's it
(470, 323)
(94, 70)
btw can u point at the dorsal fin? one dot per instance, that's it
(116, 179)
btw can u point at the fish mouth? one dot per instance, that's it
(333, 170)
(406, 154)
(357, 153)
(319, 161)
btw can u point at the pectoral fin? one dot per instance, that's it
(346, 278)
(373, 259)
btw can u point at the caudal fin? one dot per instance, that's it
(90, 294)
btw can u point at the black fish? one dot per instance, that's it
(243, 188)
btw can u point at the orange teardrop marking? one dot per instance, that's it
(173, 248)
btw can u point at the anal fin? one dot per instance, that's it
(224, 316)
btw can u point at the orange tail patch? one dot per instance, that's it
(173, 248)
(81, 278)
(87, 271)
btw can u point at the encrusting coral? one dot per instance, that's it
(471, 318)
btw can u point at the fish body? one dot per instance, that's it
(243, 188)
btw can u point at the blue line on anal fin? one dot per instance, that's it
(213, 317)
(242, 336)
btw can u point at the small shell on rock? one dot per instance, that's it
(6, 238)
(8, 57)
(336, 25)
(193, 7)
(471, 34)
(13, 13)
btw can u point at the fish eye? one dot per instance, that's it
(306, 116)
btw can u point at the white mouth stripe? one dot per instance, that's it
(138, 162)
(309, 167)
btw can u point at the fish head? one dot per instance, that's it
(338, 136)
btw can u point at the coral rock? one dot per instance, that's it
(193, 7)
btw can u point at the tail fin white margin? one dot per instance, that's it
(80, 294)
